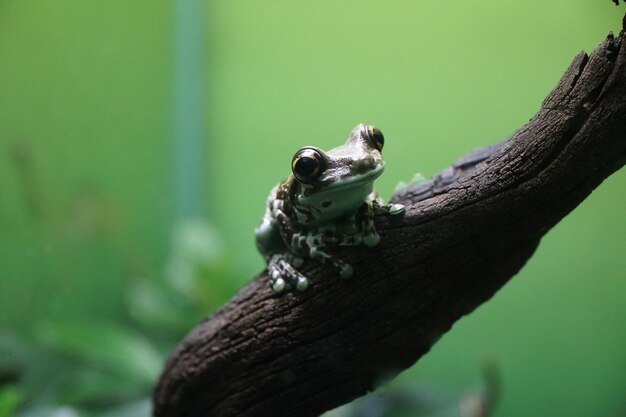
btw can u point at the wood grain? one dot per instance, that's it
(466, 232)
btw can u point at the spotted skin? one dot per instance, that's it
(327, 202)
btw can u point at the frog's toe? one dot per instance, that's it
(395, 209)
(372, 239)
(279, 285)
(302, 283)
(345, 271)
(275, 274)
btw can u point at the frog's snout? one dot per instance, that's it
(363, 165)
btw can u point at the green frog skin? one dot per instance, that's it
(327, 201)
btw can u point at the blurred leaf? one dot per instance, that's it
(13, 351)
(42, 375)
(10, 398)
(197, 256)
(151, 307)
(51, 411)
(141, 408)
(426, 400)
(414, 400)
(105, 345)
(92, 388)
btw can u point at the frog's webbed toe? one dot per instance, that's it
(392, 209)
(395, 209)
(283, 275)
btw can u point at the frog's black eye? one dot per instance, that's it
(307, 165)
(375, 137)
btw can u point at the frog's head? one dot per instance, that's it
(337, 182)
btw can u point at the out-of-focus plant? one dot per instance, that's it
(77, 367)
(198, 278)
(426, 401)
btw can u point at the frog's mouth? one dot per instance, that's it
(352, 181)
(356, 180)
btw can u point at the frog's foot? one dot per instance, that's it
(345, 270)
(283, 275)
(395, 209)
(371, 239)
(392, 209)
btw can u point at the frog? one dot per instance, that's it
(327, 201)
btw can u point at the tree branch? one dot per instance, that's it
(465, 233)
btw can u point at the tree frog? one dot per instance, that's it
(327, 201)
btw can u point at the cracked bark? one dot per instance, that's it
(466, 232)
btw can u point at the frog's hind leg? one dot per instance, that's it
(345, 269)
(283, 275)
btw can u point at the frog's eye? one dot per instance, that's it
(307, 165)
(375, 137)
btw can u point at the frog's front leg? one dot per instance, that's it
(284, 276)
(367, 211)
(381, 208)
(372, 206)
(316, 241)
(282, 265)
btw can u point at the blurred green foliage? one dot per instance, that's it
(99, 279)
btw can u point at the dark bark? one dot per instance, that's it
(466, 232)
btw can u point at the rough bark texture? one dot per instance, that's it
(465, 233)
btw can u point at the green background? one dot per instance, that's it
(87, 191)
